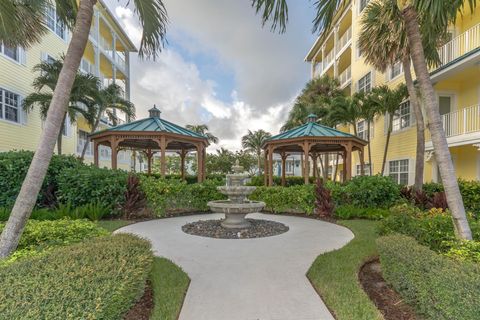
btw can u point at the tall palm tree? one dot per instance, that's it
(108, 101)
(253, 142)
(389, 102)
(368, 109)
(423, 19)
(383, 41)
(346, 111)
(83, 90)
(203, 130)
(78, 17)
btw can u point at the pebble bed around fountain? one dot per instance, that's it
(213, 229)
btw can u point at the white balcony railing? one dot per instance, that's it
(344, 40)
(462, 121)
(105, 44)
(329, 59)
(460, 45)
(345, 77)
(120, 60)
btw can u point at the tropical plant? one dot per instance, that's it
(368, 108)
(253, 142)
(346, 111)
(107, 101)
(202, 129)
(423, 19)
(83, 92)
(389, 101)
(77, 16)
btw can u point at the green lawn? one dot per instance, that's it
(334, 274)
(170, 285)
(112, 225)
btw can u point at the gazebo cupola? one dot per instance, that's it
(150, 135)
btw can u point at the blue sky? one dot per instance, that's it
(220, 67)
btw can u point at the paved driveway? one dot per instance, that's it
(248, 279)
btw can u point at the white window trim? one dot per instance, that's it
(412, 120)
(452, 95)
(22, 60)
(411, 168)
(366, 166)
(65, 38)
(389, 73)
(364, 76)
(359, 10)
(22, 115)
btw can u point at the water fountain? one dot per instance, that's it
(237, 206)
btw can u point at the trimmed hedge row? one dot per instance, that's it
(100, 279)
(295, 199)
(439, 287)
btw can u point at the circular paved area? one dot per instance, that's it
(247, 279)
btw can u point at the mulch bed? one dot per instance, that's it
(213, 229)
(387, 300)
(143, 308)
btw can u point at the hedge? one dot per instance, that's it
(167, 196)
(277, 181)
(470, 191)
(13, 169)
(99, 279)
(437, 286)
(81, 186)
(295, 199)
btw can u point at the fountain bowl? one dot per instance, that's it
(235, 212)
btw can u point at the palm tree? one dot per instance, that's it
(202, 129)
(423, 19)
(253, 142)
(78, 17)
(389, 102)
(83, 90)
(383, 41)
(346, 111)
(108, 101)
(368, 108)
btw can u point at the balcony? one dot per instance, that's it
(460, 45)
(328, 60)
(344, 41)
(345, 77)
(461, 126)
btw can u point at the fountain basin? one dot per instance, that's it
(235, 212)
(236, 193)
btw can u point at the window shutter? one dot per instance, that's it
(67, 35)
(22, 113)
(411, 171)
(372, 130)
(68, 127)
(22, 56)
(387, 168)
(412, 115)
(43, 56)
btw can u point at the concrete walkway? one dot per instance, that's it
(248, 279)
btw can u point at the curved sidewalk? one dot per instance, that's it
(248, 279)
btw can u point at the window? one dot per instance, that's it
(398, 171)
(11, 52)
(289, 166)
(82, 139)
(359, 51)
(365, 83)
(55, 24)
(366, 169)
(9, 106)
(396, 70)
(402, 118)
(362, 127)
(362, 4)
(105, 152)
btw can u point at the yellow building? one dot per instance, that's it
(456, 81)
(106, 56)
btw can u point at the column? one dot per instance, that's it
(199, 163)
(97, 48)
(183, 154)
(204, 157)
(270, 166)
(113, 146)
(326, 164)
(335, 48)
(265, 166)
(163, 149)
(95, 153)
(284, 161)
(315, 167)
(149, 154)
(323, 58)
(306, 171)
(362, 161)
(348, 162)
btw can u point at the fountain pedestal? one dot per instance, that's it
(237, 206)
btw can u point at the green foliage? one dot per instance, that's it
(351, 212)
(433, 229)
(277, 181)
(93, 211)
(438, 287)
(295, 199)
(368, 191)
(86, 185)
(465, 250)
(166, 196)
(100, 279)
(13, 169)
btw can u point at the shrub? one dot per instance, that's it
(277, 181)
(166, 196)
(323, 200)
(370, 191)
(13, 169)
(465, 250)
(437, 286)
(351, 212)
(470, 191)
(135, 199)
(92, 185)
(295, 199)
(99, 279)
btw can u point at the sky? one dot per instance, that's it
(220, 67)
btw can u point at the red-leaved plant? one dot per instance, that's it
(323, 200)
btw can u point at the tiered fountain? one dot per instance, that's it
(237, 206)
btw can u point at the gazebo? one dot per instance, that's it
(150, 135)
(312, 140)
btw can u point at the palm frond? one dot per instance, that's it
(326, 10)
(275, 11)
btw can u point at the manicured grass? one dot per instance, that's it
(169, 284)
(112, 225)
(334, 274)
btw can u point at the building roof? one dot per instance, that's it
(153, 124)
(311, 129)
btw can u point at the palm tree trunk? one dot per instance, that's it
(259, 162)
(60, 135)
(336, 168)
(95, 126)
(442, 153)
(387, 143)
(415, 103)
(38, 168)
(369, 148)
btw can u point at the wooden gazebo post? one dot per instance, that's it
(270, 166)
(114, 147)
(149, 154)
(183, 153)
(306, 171)
(284, 169)
(265, 167)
